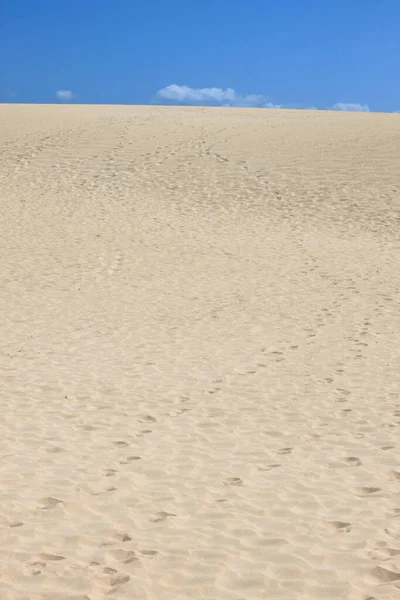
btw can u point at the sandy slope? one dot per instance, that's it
(199, 354)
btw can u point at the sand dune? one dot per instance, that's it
(200, 354)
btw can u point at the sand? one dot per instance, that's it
(199, 354)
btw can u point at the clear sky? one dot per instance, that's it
(296, 53)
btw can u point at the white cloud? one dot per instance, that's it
(183, 94)
(213, 96)
(64, 95)
(351, 107)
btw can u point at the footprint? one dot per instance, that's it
(162, 516)
(119, 579)
(284, 450)
(147, 419)
(38, 563)
(148, 552)
(176, 413)
(48, 503)
(16, 524)
(109, 571)
(51, 557)
(341, 526)
(385, 553)
(353, 461)
(129, 459)
(37, 567)
(55, 450)
(269, 467)
(366, 491)
(94, 489)
(120, 444)
(123, 537)
(385, 575)
(110, 472)
(144, 431)
(233, 481)
(123, 556)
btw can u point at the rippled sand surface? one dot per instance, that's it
(199, 354)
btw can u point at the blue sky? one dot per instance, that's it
(295, 53)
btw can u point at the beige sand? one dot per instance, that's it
(200, 354)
